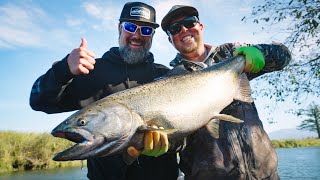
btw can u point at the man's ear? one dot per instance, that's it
(201, 25)
(119, 27)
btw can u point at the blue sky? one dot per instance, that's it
(36, 33)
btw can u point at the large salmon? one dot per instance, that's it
(180, 104)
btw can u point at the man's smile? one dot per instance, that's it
(187, 39)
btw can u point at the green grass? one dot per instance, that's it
(27, 151)
(294, 143)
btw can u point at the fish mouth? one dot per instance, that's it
(85, 143)
(71, 136)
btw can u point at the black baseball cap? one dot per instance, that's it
(177, 11)
(138, 11)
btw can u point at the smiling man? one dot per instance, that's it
(79, 80)
(243, 151)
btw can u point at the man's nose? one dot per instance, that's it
(137, 33)
(183, 28)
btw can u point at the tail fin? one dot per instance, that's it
(244, 91)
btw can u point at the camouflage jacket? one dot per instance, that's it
(243, 151)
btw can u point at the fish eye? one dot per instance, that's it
(82, 122)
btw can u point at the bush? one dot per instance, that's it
(27, 151)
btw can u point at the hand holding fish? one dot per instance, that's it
(112, 124)
(254, 58)
(155, 144)
(81, 60)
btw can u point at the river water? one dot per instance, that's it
(294, 163)
(299, 163)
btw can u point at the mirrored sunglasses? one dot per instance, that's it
(132, 28)
(188, 22)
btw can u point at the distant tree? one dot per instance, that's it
(313, 121)
(300, 19)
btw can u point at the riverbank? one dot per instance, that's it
(30, 151)
(295, 143)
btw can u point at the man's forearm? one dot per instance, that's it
(49, 89)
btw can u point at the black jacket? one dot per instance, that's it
(243, 151)
(59, 91)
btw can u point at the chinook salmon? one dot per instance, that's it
(181, 104)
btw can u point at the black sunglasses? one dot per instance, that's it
(188, 22)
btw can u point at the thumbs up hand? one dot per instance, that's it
(81, 60)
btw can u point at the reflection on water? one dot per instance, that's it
(294, 163)
(63, 173)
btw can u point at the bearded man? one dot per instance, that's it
(79, 80)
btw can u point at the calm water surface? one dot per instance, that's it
(294, 163)
(64, 173)
(299, 163)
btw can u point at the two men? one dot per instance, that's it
(78, 80)
(243, 151)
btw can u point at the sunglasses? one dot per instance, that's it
(132, 28)
(188, 22)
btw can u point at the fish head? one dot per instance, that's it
(98, 130)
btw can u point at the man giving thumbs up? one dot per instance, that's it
(79, 80)
(81, 60)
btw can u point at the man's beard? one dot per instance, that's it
(189, 49)
(131, 56)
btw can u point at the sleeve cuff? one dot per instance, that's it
(62, 72)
